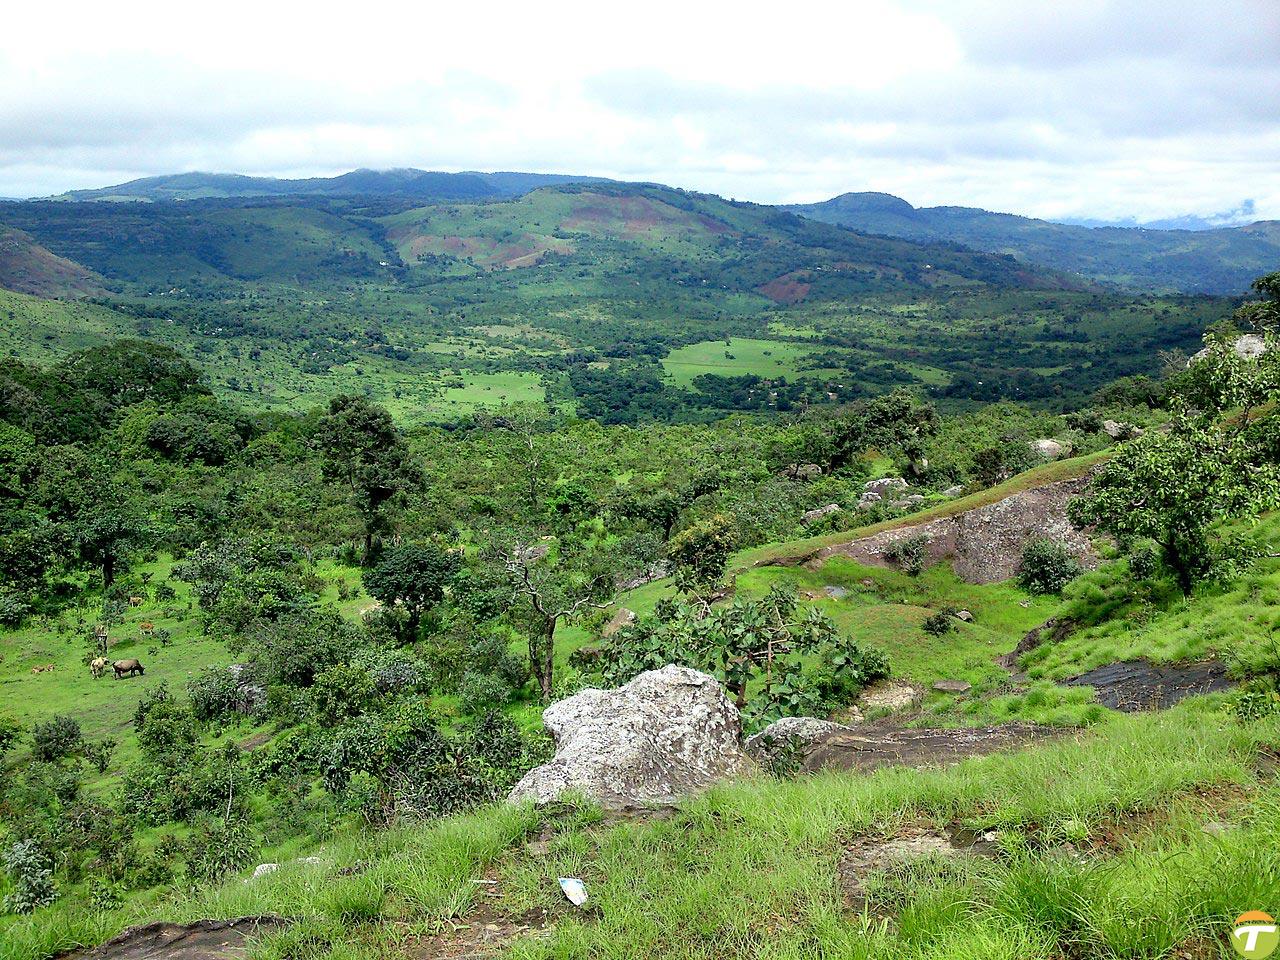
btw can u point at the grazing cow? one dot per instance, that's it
(128, 668)
(45, 668)
(98, 666)
(135, 601)
(147, 627)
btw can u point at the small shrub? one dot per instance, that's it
(57, 738)
(939, 624)
(213, 693)
(1143, 563)
(217, 848)
(105, 894)
(908, 554)
(31, 871)
(1254, 705)
(479, 692)
(99, 753)
(1047, 567)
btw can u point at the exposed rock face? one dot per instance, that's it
(812, 516)
(1049, 449)
(952, 492)
(1249, 346)
(984, 544)
(888, 695)
(952, 686)
(666, 734)
(1121, 431)
(802, 471)
(1140, 685)
(202, 940)
(794, 732)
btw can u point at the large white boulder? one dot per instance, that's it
(666, 734)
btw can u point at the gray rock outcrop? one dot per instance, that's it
(1248, 346)
(794, 733)
(984, 544)
(816, 514)
(663, 736)
(885, 485)
(1049, 449)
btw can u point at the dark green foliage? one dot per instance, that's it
(10, 733)
(363, 449)
(756, 648)
(30, 870)
(1047, 566)
(218, 847)
(214, 693)
(909, 553)
(940, 623)
(413, 577)
(56, 739)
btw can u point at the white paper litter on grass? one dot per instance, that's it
(574, 889)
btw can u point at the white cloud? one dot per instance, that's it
(1096, 108)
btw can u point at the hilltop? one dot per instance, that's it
(1216, 261)
(407, 182)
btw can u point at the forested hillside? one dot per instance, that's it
(1218, 261)
(628, 303)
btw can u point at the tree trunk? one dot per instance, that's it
(108, 570)
(367, 556)
(542, 658)
(1173, 556)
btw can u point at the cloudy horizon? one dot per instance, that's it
(1104, 110)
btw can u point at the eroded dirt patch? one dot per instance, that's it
(202, 940)
(1140, 685)
(866, 857)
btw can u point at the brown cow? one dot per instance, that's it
(127, 668)
(135, 601)
(147, 627)
(98, 666)
(46, 668)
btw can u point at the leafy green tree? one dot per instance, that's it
(1179, 488)
(1047, 566)
(125, 372)
(413, 577)
(550, 588)
(363, 448)
(699, 554)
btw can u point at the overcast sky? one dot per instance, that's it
(1091, 108)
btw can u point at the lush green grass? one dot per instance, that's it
(739, 357)
(1238, 622)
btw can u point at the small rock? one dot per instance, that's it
(802, 471)
(262, 869)
(812, 516)
(889, 696)
(1216, 828)
(952, 686)
(909, 502)
(1049, 449)
(885, 485)
(964, 616)
(953, 492)
(868, 583)
(835, 593)
(623, 618)
(783, 733)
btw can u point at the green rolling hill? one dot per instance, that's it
(1219, 261)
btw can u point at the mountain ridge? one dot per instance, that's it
(1219, 261)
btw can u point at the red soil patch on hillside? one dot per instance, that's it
(27, 267)
(632, 216)
(788, 288)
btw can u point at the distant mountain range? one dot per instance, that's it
(422, 184)
(1182, 254)
(1217, 261)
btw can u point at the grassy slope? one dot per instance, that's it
(749, 870)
